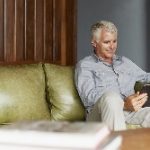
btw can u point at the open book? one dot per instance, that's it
(55, 135)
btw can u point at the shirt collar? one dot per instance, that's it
(116, 58)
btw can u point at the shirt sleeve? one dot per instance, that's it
(147, 77)
(140, 74)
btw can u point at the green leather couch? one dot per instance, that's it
(39, 91)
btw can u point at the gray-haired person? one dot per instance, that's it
(105, 82)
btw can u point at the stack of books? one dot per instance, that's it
(56, 135)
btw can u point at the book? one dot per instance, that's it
(143, 87)
(54, 134)
(111, 142)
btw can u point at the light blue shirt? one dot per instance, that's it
(93, 77)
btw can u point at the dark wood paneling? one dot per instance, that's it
(71, 24)
(38, 30)
(9, 36)
(39, 33)
(63, 31)
(57, 29)
(20, 30)
(48, 30)
(30, 29)
(1, 30)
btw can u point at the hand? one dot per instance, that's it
(135, 101)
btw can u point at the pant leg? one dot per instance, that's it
(141, 117)
(109, 109)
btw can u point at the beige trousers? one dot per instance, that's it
(109, 109)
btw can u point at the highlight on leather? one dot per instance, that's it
(62, 94)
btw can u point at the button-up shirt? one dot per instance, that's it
(93, 77)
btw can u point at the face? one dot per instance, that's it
(106, 46)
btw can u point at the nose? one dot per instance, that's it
(112, 45)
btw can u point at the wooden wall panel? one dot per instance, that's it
(20, 30)
(48, 30)
(38, 31)
(1, 30)
(30, 21)
(71, 32)
(56, 34)
(9, 30)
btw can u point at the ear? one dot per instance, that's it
(93, 43)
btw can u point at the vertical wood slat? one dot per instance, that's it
(20, 30)
(1, 30)
(57, 31)
(9, 23)
(63, 32)
(71, 25)
(48, 30)
(30, 29)
(39, 31)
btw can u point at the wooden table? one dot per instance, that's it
(135, 139)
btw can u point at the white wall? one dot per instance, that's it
(130, 18)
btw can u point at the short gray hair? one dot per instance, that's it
(96, 28)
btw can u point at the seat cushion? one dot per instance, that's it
(62, 94)
(22, 93)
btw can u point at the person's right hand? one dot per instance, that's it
(135, 102)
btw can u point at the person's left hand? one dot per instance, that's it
(135, 102)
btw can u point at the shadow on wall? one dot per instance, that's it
(148, 35)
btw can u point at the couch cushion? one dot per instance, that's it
(62, 94)
(22, 93)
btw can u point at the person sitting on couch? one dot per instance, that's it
(105, 82)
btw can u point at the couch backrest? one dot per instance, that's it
(65, 103)
(22, 93)
(38, 91)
